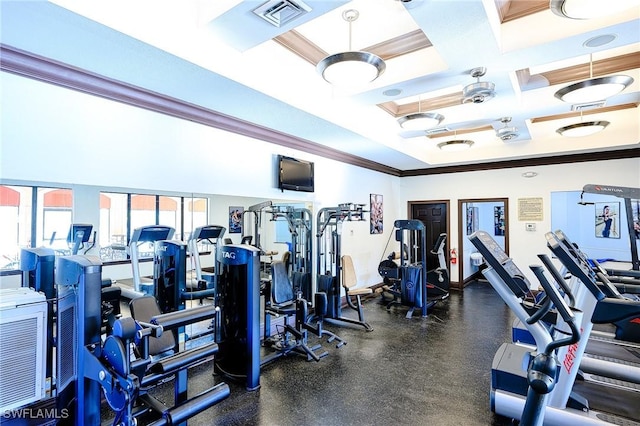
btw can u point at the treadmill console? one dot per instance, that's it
(578, 269)
(152, 233)
(597, 274)
(496, 257)
(208, 232)
(79, 232)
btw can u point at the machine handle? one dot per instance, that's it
(553, 293)
(544, 308)
(562, 308)
(558, 277)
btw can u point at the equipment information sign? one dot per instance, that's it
(530, 209)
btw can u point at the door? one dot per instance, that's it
(487, 214)
(434, 215)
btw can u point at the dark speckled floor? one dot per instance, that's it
(420, 371)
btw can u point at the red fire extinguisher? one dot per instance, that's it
(454, 256)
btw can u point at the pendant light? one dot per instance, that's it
(420, 120)
(583, 128)
(588, 9)
(352, 67)
(593, 89)
(455, 144)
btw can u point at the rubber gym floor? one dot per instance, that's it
(418, 371)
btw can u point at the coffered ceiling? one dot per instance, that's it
(221, 56)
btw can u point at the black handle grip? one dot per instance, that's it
(553, 293)
(558, 277)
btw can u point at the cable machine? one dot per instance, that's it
(256, 210)
(329, 258)
(410, 277)
(299, 221)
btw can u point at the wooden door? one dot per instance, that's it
(435, 217)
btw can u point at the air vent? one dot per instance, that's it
(588, 105)
(279, 12)
(437, 130)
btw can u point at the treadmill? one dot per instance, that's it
(140, 285)
(617, 354)
(211, 235)
(571, 401)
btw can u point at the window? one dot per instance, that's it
(15, 224)
(113, 226)
(54, 216)
(180, 213)
(196, 213)
(25, 224)
(170, 213)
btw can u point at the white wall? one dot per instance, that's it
(509, 183)
(578, 223)
(53, 136)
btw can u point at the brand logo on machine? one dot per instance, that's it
(570, 358)
(162, 248)
(229, 254)
(608, 189)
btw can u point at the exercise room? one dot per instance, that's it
(202, 226)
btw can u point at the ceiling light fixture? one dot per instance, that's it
(420, 120)
(455, 145)
(352, 67)
(478, 92)
(507, 133)
(587, 9)
(583, 128)
(593, 89)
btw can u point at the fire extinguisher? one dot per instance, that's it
(454, 256)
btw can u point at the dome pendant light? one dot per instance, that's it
(593, 89)
(588, 9)
(353, 67)
(583, 128)
(455, 144)
(420, 120)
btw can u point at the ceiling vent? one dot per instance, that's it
(437, 130)
(280, 12)
(478, 92)
(588, 105)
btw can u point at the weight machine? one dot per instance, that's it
(92, 364)
(408, 281)
(411, 283)
(329, 259)
(299, 221)
(256, 212)
(239, 356)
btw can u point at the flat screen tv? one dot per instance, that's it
(294, 174)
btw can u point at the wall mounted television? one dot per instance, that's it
(294, 174)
